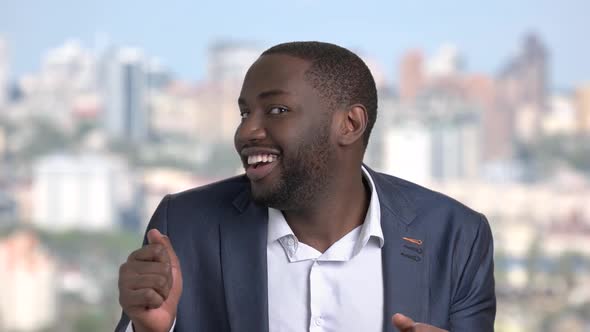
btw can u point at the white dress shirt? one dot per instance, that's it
(339, 290)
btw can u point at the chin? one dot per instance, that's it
(263, 195)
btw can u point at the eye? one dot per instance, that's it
(244, 114)
(277, 110)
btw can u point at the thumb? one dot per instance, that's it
(402, 322)
(154, 236)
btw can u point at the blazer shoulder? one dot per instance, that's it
(429, 202)
(223, 191)
(222, 187)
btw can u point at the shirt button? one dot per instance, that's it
(318, 321)
(290, 242)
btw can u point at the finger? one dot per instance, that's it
(151, 252)
(154, 236)
(143, 298)
(133, 268)
(165, 240)
(402, 322)
(161, 284)
(421, 327)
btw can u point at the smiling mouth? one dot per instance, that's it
(260, 165)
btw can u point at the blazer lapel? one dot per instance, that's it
(244, 268)
(405, 269)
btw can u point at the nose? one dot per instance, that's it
(251, 129)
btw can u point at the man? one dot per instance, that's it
(310, 238)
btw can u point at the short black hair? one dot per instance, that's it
(339, 75)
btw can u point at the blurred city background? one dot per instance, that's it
(107, 107)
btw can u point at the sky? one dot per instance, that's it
(180, 32)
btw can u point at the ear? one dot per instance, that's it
(352, 124)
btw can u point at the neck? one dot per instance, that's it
(341, 208)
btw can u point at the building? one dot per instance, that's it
(183, 113)
(7, 209)
(28, 284)
(438, 145)
(227, 64)
(446, 62)
(4, 73)
(68, 69)
(562, 117)
(88, 192)
(124, 84)
(528, 72)
(456, 148)
(411, 76)
(407, 152)
(583, 108)
(228, 61)
(3, 143)
(67, 72)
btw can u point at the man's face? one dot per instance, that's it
(284, 137)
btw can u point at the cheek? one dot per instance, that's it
(236, 139)
(283, 134)
(240, 138)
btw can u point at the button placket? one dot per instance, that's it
(316, 289)
(318, 321)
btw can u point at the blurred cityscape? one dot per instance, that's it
(91, 142)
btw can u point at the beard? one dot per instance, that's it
(304, 175)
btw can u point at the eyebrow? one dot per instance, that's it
(265, 94)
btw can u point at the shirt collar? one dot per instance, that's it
(278, 227)
(372, 224)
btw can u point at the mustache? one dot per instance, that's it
(260, 146)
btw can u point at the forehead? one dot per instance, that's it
(276, 71)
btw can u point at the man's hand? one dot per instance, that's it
(406, 324)
(150, 284)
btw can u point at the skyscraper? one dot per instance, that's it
(527, 72)
(124, 85)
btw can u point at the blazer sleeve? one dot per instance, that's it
(159, 221)
(473, 305)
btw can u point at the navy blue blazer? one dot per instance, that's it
(437, 259)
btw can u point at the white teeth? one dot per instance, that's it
(259, 158)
